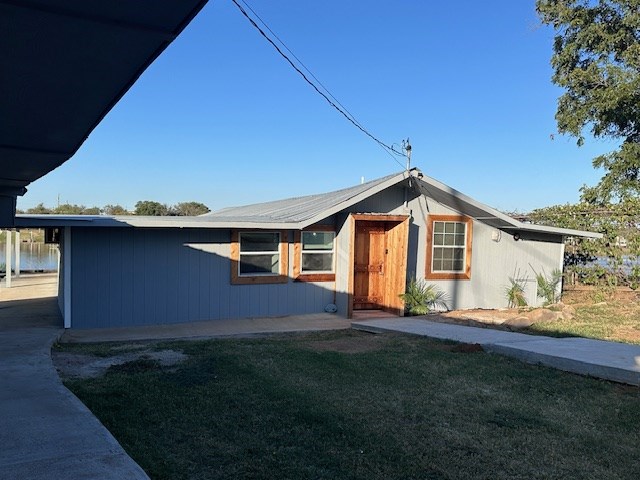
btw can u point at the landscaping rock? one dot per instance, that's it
(568, 312)
(522, 321)
(544, 315)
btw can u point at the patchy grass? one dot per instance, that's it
(350, 405)
(617, 320)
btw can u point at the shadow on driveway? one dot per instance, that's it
(45, 431)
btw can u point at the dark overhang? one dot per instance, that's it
(63, 65)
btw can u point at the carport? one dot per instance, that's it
(65, 64)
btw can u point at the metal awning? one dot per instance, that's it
(63, 65)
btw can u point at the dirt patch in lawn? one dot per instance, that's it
(626, 333)
(71, 365)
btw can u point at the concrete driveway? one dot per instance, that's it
(45, 431)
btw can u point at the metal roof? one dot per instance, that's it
(300, 212)
(64, 64)
(305, 210)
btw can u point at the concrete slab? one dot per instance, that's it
(618, 362)
(209, 329)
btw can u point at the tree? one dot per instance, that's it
(114, 210)
(612, 260)
(73, 209)
(596, 60)
(91, 211)
(39, 209)
(151, 208)
(190, 209)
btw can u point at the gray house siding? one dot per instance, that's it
(492, 263)
(137, 276)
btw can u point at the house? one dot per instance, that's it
(348, 250)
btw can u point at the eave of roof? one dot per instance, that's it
(466, 205)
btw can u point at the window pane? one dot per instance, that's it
(459, 239)
(458, 253)
(448, 239)
(317, 262)
(460, 227)
(437, 253)
(317, 240)
(438, 239)
(447, 265)
(458, 265)
(438, 227)
(437, 265)
(259, 242)
(251, 264)
(449, 227)
(447, 254)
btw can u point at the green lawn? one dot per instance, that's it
(350, 405)
(615, 320)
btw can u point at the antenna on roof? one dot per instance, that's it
(406, 148)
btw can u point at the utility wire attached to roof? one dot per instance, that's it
(327, 96)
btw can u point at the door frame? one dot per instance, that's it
(397, 234)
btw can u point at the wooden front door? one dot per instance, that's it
(369, 267)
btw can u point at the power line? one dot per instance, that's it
(334, 103)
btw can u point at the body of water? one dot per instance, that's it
(33, 256)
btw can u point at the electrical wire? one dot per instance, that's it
(301, 62)
(337, 102)
(334, 103)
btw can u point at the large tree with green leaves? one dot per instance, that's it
(189, 209)
(151, 208)
(596, 60)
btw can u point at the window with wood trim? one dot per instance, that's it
(449, 247)
(314, 252)
(259, 257)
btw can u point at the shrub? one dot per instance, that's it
(420, 298)
(548, 286)
(515, 293)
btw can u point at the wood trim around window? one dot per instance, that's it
(298, 276)
(237, 279)
(466, 275)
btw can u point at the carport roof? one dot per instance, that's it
(64, 64)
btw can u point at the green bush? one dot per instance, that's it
(515, 293)
(420, 298)
(548, 286)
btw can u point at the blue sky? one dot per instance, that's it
(222, 119)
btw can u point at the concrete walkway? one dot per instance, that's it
(45, 431)
(209, 329)
(618, 362)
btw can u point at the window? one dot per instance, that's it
(259, 253)
(259, 257)
(315, 255)
(449, 247)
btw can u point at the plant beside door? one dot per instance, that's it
(421, 298)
